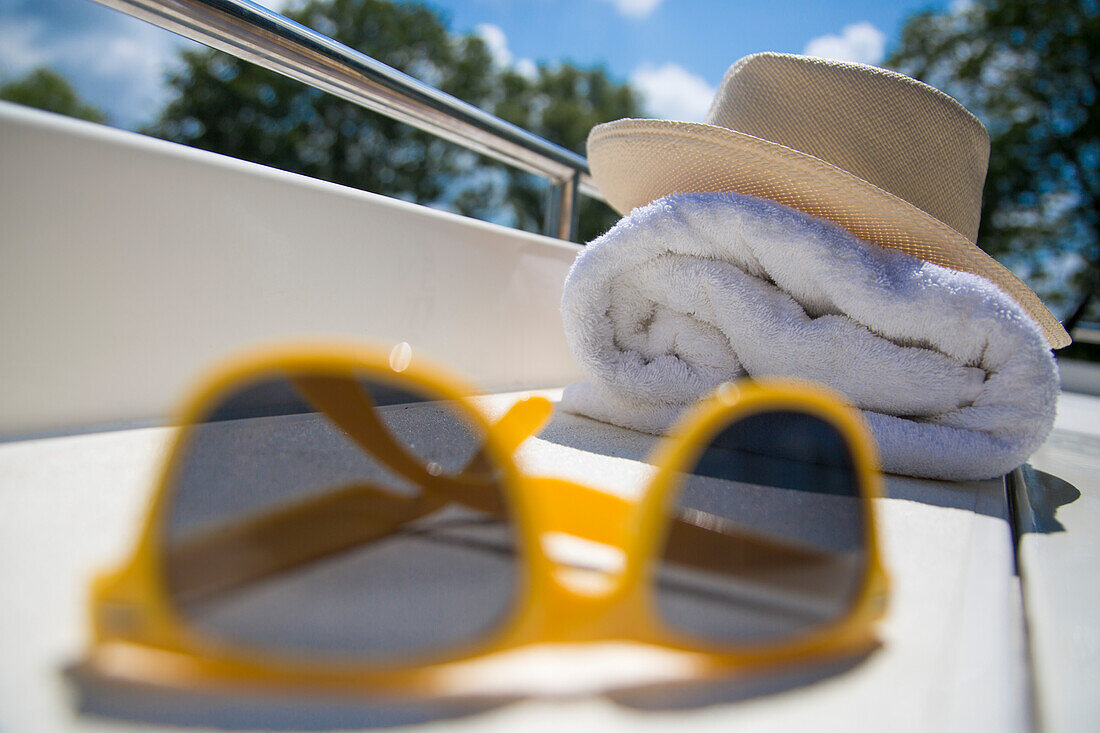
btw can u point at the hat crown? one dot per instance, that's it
(890, 130)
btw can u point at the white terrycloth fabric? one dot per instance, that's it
(955, 381)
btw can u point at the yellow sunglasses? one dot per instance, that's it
(333, 516)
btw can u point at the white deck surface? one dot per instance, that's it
(1058, 557)
(953, 657)
(127, 264)
(963, 646)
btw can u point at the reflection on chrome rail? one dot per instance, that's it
(266, 38)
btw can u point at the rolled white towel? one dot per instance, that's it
(693, 290)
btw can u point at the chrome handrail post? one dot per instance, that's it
(569, 213)
(551, 210)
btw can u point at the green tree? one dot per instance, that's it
(45, 89)
(562, 104)
(1031, 72)
(235, 108)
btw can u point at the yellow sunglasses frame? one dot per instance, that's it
(138, 636)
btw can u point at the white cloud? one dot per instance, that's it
(860, 42)
(527, 69)
(497, 43)
(279, 6)
(20, 48)
(118, 68)
(672, 92)
(136, 64)
(635, 8)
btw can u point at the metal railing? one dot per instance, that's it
(266, 38)
(1086, 333)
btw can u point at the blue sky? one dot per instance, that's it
(674, 51)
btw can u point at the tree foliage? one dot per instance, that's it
(235, 108)
(562, 104)
(46, 89)
(1031, 72)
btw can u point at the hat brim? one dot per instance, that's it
(636, 162)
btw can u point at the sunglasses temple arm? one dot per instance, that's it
(352, 410)
(523, 419)
(734, 551)
(592, 514)
(228, 557)
(698, 540)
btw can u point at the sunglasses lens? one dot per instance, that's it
(338, 517)
(767, 537)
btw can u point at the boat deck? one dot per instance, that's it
(968, 643)
(106, 318)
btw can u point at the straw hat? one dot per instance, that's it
(890, 159)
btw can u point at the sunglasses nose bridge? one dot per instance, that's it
(584, 605)
(562, 508)
(583, 541)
